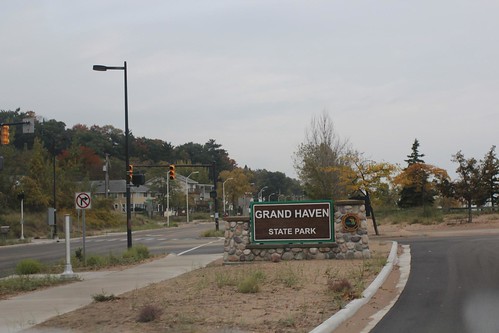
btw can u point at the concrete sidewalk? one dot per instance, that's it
(24, 311)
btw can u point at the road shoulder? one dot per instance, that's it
(382, 301)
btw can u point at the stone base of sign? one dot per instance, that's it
(352, 241)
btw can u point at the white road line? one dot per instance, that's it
(197, 247)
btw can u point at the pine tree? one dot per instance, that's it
(490, 177)
(415, 156)
(414, 178)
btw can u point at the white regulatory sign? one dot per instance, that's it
(83, 200)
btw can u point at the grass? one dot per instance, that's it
(136, 254)
(223, 279)
(250, 284)
(25, 283)
(290, 276)
(26, 268)
(428, 215)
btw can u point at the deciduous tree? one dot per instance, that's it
(469, 187)
(319, 159)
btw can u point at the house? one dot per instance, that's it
(139, 195)
(199, 194)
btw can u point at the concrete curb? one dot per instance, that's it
(351, 308)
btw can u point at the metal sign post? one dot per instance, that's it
(83, 201)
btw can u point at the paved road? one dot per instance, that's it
(453, 287)
(165, 240)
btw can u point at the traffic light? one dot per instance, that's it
(130, 173)
(138, 179)
(5, 135)
(171, 173)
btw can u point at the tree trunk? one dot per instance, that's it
(469, 212)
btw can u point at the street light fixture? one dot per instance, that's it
(102, 68)
(223, 191)
(270, 195)
(260, 193)
(187, 194)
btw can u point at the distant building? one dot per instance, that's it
(117, 191)
(199, 194)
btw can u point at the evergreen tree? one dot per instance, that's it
(490, 173)
(415, 156)
(414, 180)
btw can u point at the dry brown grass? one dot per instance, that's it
(290, 297)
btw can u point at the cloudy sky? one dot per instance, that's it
(252, 74)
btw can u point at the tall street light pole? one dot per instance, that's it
(223, 191)
(260, 193)
(102, 68)
(187, 193)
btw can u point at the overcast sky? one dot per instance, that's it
(252, 74)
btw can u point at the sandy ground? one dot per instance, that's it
(292, 297)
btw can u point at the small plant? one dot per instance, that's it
(250, 284)
(287, 322)
(339, 286)
(149, 313)
(223, 279)
(104, 297)
(79, 254)
(28, 266)
(289, 277)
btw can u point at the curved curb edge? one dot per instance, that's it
(351, 308)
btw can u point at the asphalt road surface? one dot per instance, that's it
(453, 287)
(184, 240)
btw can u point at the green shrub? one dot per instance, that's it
(136, 253)
(28, 266)
(114, 260)
(96, 261)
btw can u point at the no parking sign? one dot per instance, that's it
(83, 200)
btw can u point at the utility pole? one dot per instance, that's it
(215, 199)
(106, 181)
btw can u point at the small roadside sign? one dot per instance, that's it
(83, 200)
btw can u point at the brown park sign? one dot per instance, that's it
(292, 222)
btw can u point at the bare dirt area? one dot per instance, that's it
(292, 296)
